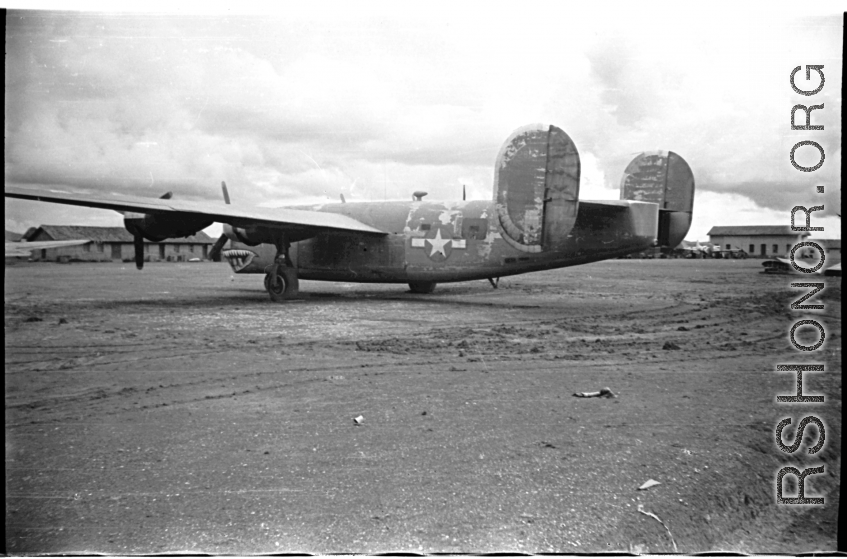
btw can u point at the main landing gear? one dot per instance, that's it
(281, 281)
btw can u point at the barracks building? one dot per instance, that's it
(113, 243)
(764, 241)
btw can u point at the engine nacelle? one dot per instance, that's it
(160, 227)
(250, 259)
(250, 236)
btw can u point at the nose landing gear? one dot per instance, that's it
(281, 281)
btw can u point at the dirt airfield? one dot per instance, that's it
(178, 410)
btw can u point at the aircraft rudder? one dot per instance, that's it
(666, 179)
(536, 186)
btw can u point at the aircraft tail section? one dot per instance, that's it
(536, 187)
(663, 178)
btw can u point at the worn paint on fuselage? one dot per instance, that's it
(455, 241)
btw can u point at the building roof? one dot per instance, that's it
(753, 230)
(103, 234)
(11, 236)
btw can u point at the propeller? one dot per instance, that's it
(139, 250)
(463, 193)
(226, 193)
(137, 237)
(215, 253)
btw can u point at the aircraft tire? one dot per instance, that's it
(422, 286)
(287, 284)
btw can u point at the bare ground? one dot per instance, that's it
(177, 409)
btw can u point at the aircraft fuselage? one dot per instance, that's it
(453, 241)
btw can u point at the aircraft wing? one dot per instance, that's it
(24, 248)
(235, 215)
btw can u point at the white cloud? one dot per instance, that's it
(713, 208)
(376, 103)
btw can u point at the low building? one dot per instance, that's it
(113, 243)
(831, 246)
(764, 241)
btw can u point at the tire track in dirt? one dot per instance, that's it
(504, 456)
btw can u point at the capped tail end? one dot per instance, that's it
(663, 178)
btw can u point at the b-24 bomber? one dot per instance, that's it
(534, 221)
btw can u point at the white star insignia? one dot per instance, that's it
(438, 244)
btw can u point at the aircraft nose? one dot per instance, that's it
(239, 258)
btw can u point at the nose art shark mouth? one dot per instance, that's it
(239, 258)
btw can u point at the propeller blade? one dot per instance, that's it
(463, 193)
(226, 193)
(215, 253)
(139, 250)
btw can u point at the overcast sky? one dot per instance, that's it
(374, 102)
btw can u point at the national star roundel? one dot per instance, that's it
(439, 243)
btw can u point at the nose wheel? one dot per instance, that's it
(281, 281)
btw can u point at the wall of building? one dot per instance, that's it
(91, 252)
(775, 245)
(109, 252)
(167, 252)
(177, 252)
(831, 246)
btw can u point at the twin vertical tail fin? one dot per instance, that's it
(536, 187)
(664, 178)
